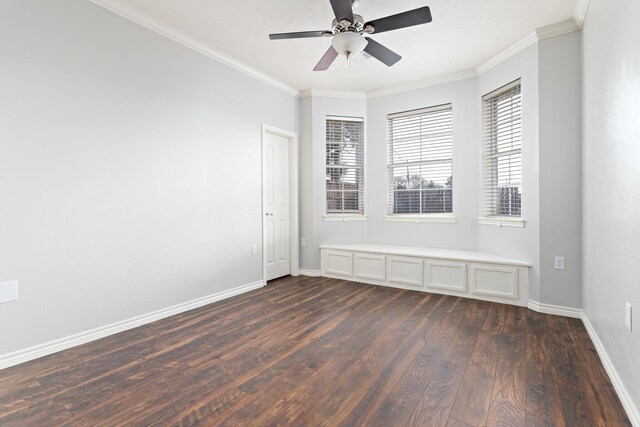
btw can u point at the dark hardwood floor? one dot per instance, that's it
(315, 352)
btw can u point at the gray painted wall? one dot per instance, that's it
(551, 82)
(466, 233)
(315, 229)
(519, 243)
(129, 170)
(560, 98)
(121, 147)
(466, 118)
(551, 86)
(611, 180)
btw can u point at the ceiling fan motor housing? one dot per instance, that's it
(345, 26)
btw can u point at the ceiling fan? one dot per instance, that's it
(348, 31)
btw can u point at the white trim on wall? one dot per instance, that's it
(435, 81)
(201, 47)
(557, 310)
(310, 273)
(580, 12)
(623, 394)
(344, 218)
(625, 398)
(197, 45)
(512, 50)
(557, 29)
(41, 350)
(293, 198)
(340, 94)
(422, 219)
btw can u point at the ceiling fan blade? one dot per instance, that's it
(342, 9)
(381, 53)
(401, 20)
(299, 35)
(327, 59)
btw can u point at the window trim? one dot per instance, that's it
(346, 216)
(337, 217)
(488, 218)
(502, 221)
(437, 217)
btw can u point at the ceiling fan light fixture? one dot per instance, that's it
(348, 43)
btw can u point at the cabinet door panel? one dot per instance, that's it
(404, 270)
(494, 281)
(445, 275)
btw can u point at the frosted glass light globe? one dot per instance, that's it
(348, 43)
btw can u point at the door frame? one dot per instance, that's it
(293, 198)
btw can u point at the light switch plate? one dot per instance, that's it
(628, 311)
(9, 291)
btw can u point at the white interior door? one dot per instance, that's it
(275, 159)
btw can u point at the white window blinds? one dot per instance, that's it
(420, 161)
(345, 165)
(502, 186)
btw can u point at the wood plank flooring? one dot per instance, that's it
(325, 352)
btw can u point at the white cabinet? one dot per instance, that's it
(404, 270)
(338, 263)
(468, 274)
(370, 267)
(493, 281)
(445, 276)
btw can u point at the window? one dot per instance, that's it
(345, 166)
(421, 161)
(502, 110)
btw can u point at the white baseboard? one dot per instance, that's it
(618, 385)
(557, 310)
(25, 355)
(310, 273)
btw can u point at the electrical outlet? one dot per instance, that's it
(628, 311)
(9, 291)
(559, 263)
(254, 249)
(303, 242)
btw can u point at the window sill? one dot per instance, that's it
(499, 221)
(417, 219)
(344, 218)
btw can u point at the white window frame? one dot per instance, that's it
(347, 215)
(444, 217)
(489, 216)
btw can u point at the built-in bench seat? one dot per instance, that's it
(471, 274)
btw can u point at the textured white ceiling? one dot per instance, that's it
(463, 34)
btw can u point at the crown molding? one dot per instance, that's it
(447, 78)
(558, 29)
(515, 48)
(580, 12)
(553, 30)
(192, 43)
(341, 94)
